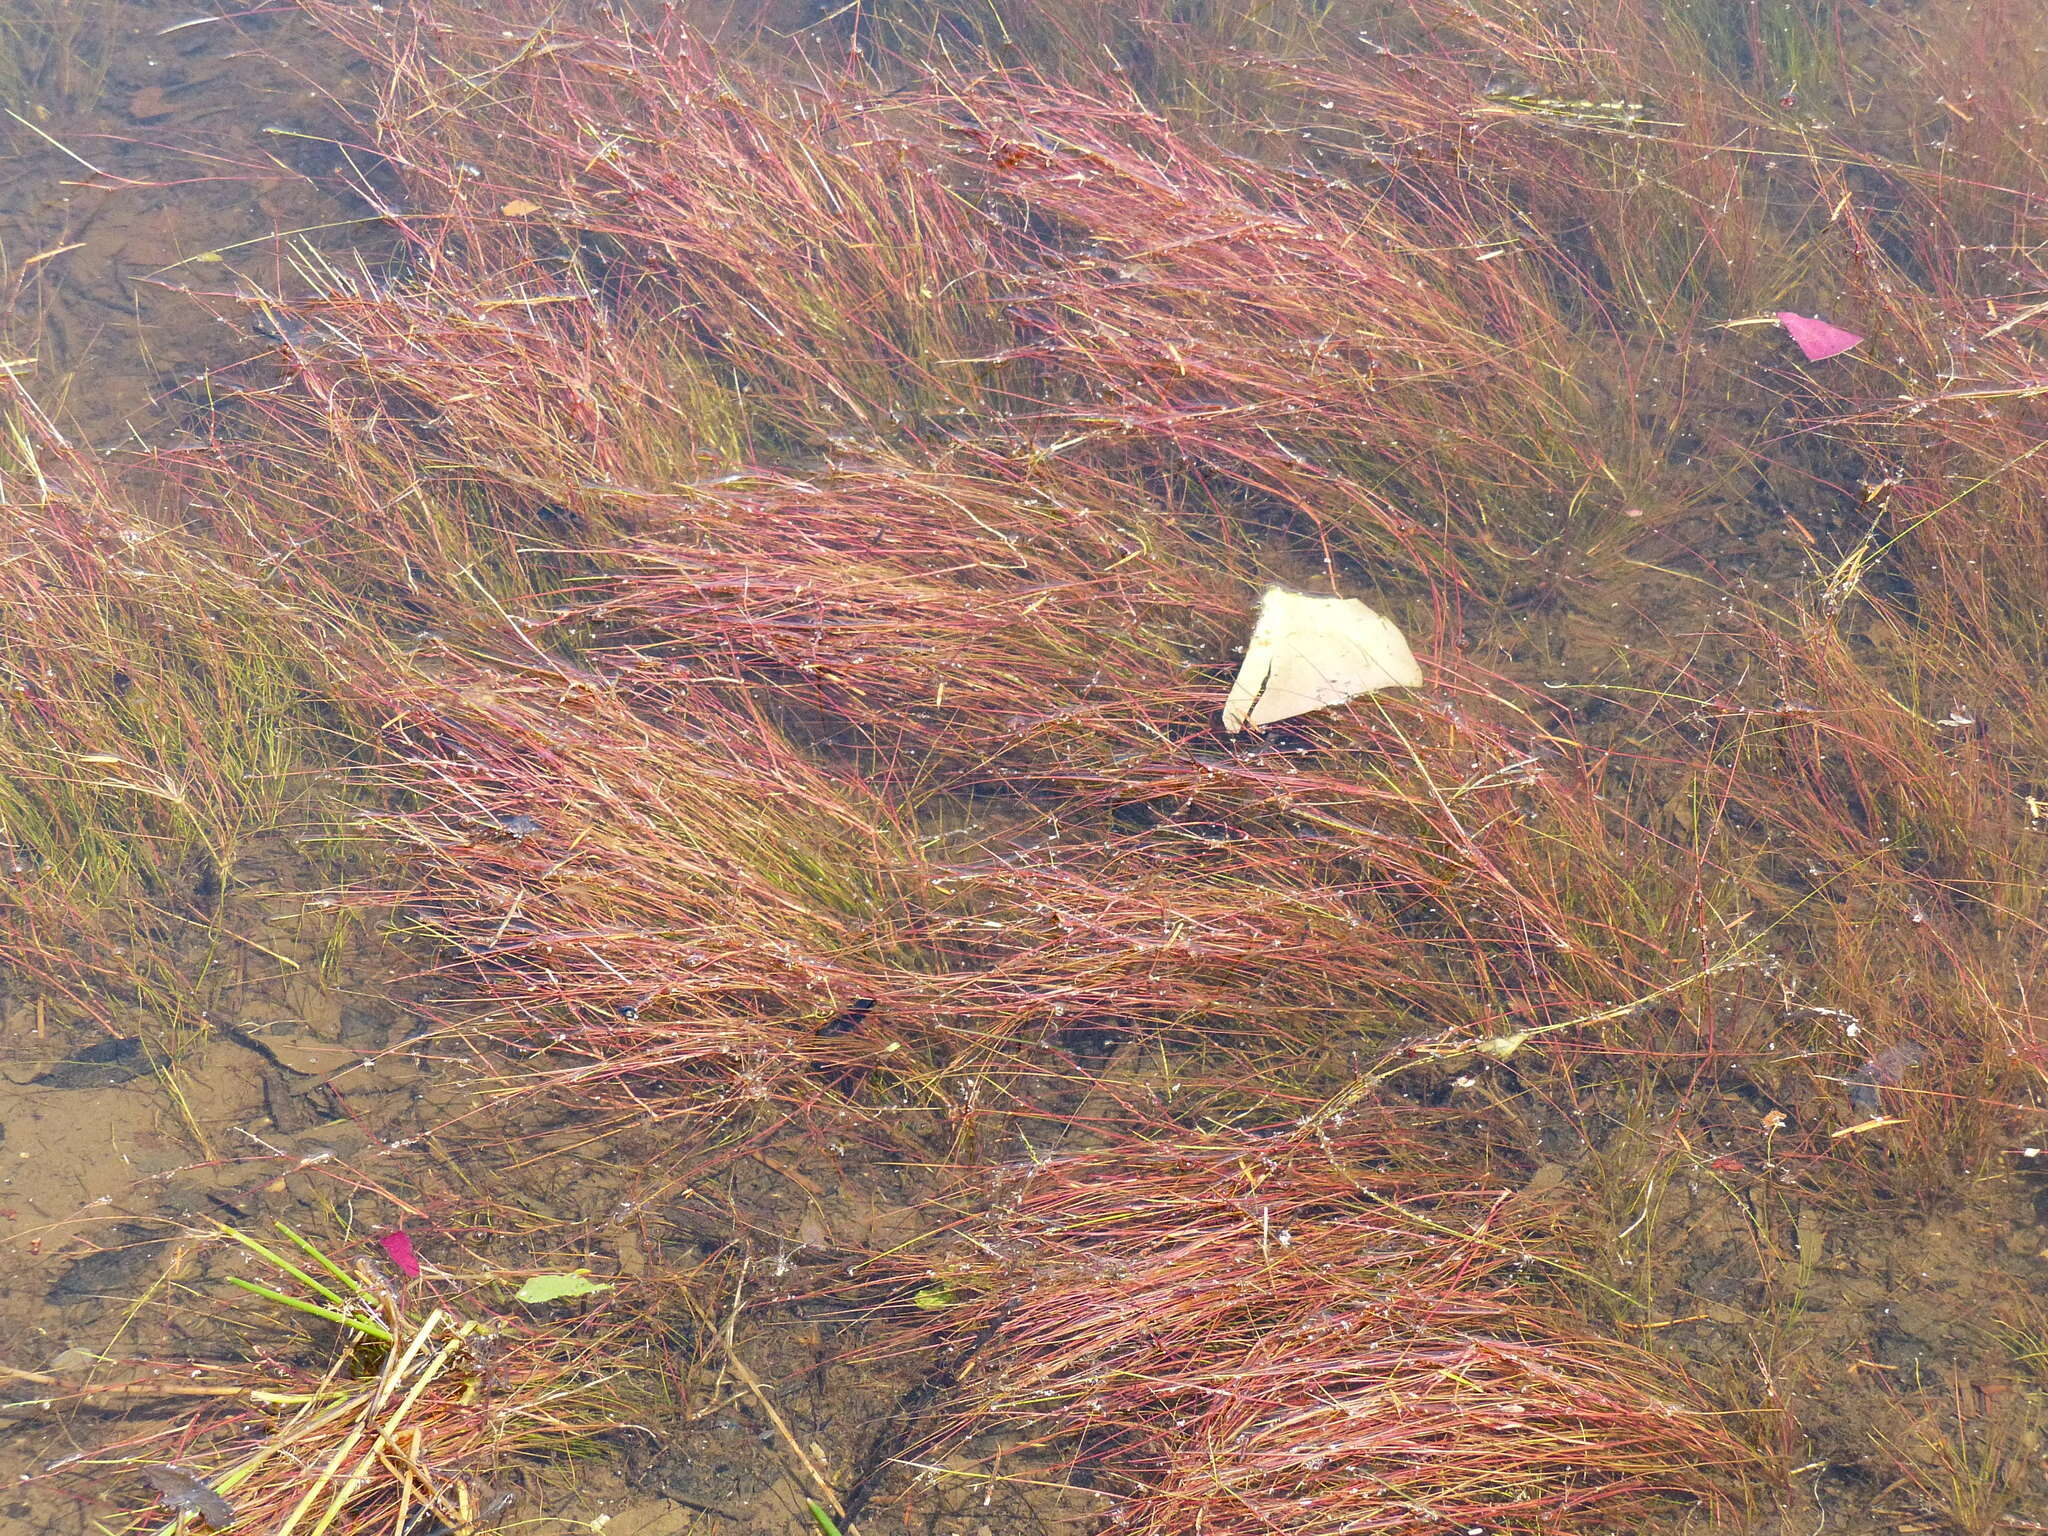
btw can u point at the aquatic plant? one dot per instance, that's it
(1311, 1330)
(1071, 432)
(154, 729)
(773, 550)
(415, 1414)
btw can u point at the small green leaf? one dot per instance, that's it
(559, 1287)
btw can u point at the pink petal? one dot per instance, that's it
(1816, 338)
(398, 1247)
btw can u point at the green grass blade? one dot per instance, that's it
(286, 1265)
(360, 1324)
(306, 1246)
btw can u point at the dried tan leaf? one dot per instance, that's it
(1875, 1122)
(1308, 653)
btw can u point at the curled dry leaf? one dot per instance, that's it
(1308, 653)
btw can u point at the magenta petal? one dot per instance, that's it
(399, 1248)
(1816, 338)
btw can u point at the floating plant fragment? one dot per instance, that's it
(398, 1248)
(559, 1287)
(1816, 338)
(1308, 653)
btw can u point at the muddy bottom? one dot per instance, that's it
(158, 162)
(309, 1104)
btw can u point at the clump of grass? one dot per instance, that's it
(956, 607)
(654, 884)
(1306, 1330)
(415, 1413)
(153, 728)
(703, 899)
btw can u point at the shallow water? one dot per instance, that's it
(163, 158)
(192, 159)
(168, 162)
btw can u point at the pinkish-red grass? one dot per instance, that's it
(792, 529)
(1311, 1330)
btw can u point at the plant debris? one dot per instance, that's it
(1308, 653)
(1817, 339)
(180, 1491)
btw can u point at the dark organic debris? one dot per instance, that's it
(129, 1251)
(105, 1065)
(185, 1494)
(1887, 1069)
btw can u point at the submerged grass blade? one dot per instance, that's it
(284, 1264)
(355, 1321)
